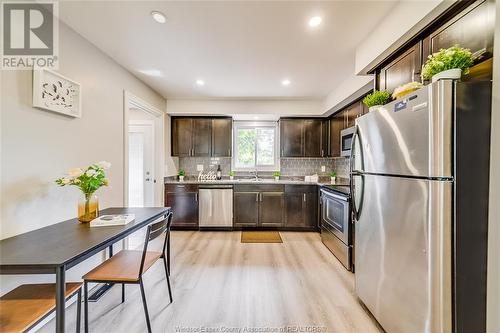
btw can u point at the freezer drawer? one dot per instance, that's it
(403, 252)
(216, 208)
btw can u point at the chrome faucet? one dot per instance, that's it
(256, 174)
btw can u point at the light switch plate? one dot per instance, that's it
(323, 168)
(199, 167)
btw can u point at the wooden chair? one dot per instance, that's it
(27, 305)
(128, 266)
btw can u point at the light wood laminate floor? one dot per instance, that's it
(218, 282)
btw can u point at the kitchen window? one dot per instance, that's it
(255, 146)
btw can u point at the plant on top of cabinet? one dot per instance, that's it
(448, 64)
(405, 89)
(376, 99)
(276, 175)
(231, 174)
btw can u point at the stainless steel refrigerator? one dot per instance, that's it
(419, 171)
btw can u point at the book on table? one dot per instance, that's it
(112, 220)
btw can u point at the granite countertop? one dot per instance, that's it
(324, 181)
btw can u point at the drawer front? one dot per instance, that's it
(258, 188)
(181, 188)
(301, 188)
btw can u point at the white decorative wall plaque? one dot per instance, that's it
(54, 92)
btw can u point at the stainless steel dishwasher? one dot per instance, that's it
(215, 206)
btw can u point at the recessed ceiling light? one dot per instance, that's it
(285, 82)
(200, 82)
(315, 21)
(158, 17)
(151, 72)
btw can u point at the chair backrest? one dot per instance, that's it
(154, 230)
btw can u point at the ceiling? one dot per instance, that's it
(240, 49)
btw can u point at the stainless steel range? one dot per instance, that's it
(336, 222)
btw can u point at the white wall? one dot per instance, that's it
(493, 316)
(38, 146)
(402, 23)
(230, 107)
(346, 89)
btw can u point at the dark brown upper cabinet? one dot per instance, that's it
(405, 68)
(473, 28)
(201, 136)
(343, 119)
(469, 25)
(182, 137)
(222, 137)
(291, 138)
(313, 138)
(336, 125)
(303, 138)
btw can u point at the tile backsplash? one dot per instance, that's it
(289, 166)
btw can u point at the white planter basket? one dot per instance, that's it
(374, 108)
(181, 178)
(453, 74)
(332, 180)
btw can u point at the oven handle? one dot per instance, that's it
(331, 195)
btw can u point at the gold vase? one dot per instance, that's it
(88, 208)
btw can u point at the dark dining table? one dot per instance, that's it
(58, 247)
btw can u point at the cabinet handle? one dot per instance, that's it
(304, 196)
(229, 152)
(260, 197)
(256, 197)
(196, 197)
(322, 152)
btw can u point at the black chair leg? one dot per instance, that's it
(168, 253)
(123, 292)
(168, 279)
(145, 305)
(78, 310)
(86, 306)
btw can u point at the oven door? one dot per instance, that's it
(346, 136)
(335, 215)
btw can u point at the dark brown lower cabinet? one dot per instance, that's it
(246, 209)
(271, 209)
(258, 206)
(183, 199)
(301, 207)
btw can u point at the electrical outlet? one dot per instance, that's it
(323, 168)
(199, 167)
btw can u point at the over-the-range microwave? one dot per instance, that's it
(346, 140)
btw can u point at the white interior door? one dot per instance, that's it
(141, 165)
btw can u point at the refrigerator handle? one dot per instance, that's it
(356, 210)
(355, 135)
